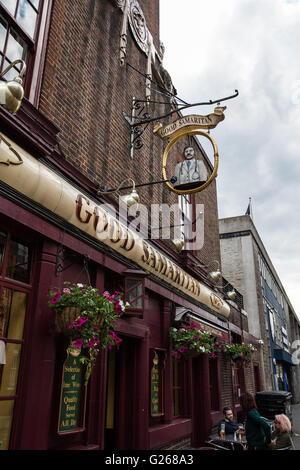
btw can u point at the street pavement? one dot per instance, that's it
(296, 425)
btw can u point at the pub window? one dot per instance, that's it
(157, 360)
(238, 376)
(15, 278)
(135, 291)
(238, 382)
(22, 33)
(186, 216)
(177, 387)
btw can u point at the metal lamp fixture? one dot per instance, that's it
(12, 92)
(231, 294)
(132, 198)
(216, 275)
(128, 199)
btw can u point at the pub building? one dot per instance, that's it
(68, 135)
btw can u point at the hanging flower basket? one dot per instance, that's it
(64, 317)
(190, 342)
(239, 353)
(87, 318)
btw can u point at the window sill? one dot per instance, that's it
(161, 434)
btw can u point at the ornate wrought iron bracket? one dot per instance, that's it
(139, 121)
(59, 268)
(146, 120)
(136, 132)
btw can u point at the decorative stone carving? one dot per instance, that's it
(118, 3)
(138, 25)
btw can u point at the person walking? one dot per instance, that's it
(258, 431)
(281, 437)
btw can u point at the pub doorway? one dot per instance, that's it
(121, 396)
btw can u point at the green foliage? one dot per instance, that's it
(93, 329)
(239, 352)
(188, 339)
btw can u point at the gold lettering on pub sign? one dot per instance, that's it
(70, 403)
(109, 230)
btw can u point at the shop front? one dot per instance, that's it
(139, 396)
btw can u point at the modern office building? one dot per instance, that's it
(271, 317)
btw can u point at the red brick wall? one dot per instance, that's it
(85, 92)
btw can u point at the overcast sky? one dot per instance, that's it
(215, 47)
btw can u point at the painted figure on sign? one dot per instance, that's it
(190, 173)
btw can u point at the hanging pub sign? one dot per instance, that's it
(191, 122)
(72, 399)
(190, 174)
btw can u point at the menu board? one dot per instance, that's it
(155, 386)
(70, 401)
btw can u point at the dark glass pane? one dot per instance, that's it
(2, 247)
(134, 292)
(5, 304)
(27, 17)
(19, 262)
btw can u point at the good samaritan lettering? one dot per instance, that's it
(99, 223)
(193, 119)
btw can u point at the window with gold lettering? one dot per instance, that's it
(15, 278)
(157, 365)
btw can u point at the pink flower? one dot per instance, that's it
(106, 294)
(71, 325)
(181, 349)
(117, 339)
(213, 354)
(80, 321)
(78, 343)
(187, 327)
(173, 352)
(54, 300)
(66, 290)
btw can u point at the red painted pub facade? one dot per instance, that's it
(68, 137)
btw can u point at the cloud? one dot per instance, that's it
(215, 47)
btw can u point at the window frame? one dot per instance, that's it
(36, 50)
(27, 288)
